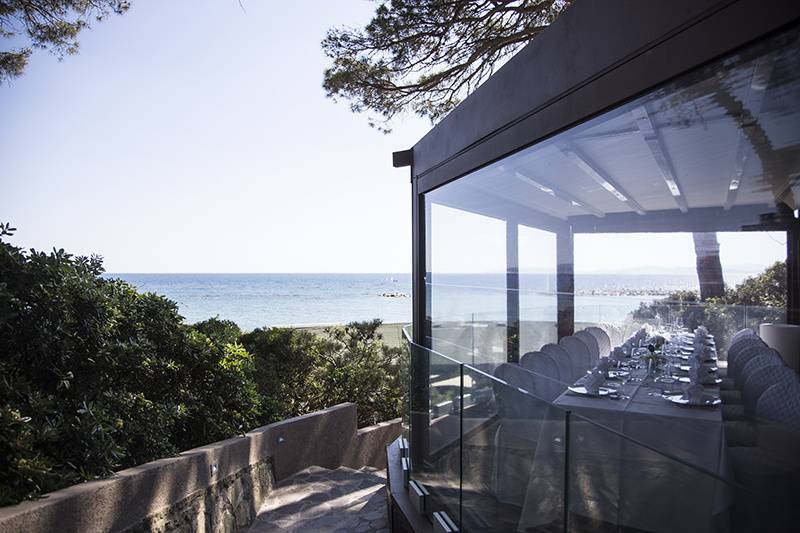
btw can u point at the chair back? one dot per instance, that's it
(562, 359)
(746, 351)
(603, 340)
(591, 343)
(545, 374)
(742, 333)
(578, 355)
(741, 345)
(758, 381)
(781, 403)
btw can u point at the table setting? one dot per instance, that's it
(638, 415)
(680, 367)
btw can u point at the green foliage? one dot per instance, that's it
(356, 366)
(48, 24)
(95, 376)
(425, 56)
(757, 299)
(284, 359)
(766, 289)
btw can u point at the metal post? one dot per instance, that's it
(567, 418)
(512, 292)
(565, 282)
(420, 363)
(793, 276)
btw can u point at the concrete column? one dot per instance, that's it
(512, 292)
(565, 283)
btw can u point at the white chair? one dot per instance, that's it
(562, 359)
(738, 355)
(591, 343)
(736, 368)
(742, 333)
(764, 359)
(770, 470)
(578, 355)
(545, 374)
(603, 340)
(519, 422)
(744, 432)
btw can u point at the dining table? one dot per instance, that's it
(634, 458)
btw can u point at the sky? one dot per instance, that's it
(741, 253)
(195, 136)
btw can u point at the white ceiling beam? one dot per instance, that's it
(600, 177)
(659, 150)
(555, 192)
(759, 81)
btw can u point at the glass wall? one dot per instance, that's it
(585, 297)
(672, 207)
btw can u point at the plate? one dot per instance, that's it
(686, 379)
(686, 368)
(687, 357)
(580, 389)
(707, 400)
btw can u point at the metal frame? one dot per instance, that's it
(658, 42)
(519, 106)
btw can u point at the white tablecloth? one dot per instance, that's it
(627, 481)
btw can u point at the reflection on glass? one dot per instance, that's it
(666, 203)
(549, 268)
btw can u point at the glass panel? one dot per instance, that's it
(690, 188)
(617, 483)
(537, 288)
(506, 433)
(436, 446)
(466, 284)
(667, 213)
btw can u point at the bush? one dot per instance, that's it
(95, 376)
(284, 360)
(757, 299)
(356, 366)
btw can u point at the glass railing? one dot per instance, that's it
(496, 455)
(480, 338)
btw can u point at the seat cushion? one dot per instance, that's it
(741, 433)
(731, 396)
(733, 412)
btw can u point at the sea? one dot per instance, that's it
(257, 300)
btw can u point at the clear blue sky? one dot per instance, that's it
(193, 136)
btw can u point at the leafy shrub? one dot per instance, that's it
(757, 299)
(95, 376)
(356, 366)
(284, 360)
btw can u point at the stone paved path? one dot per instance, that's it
(318, 499)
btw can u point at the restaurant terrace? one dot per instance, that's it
(536, 408)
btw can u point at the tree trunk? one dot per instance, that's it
(709, 268)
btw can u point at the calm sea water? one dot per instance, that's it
(256, 300)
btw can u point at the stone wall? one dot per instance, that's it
(218, 487)
(230, 504)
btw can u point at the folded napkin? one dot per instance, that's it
(619, 354)
(603, 365)
(700, 352)
(593, 381)
(700, 374)
(693, 393)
